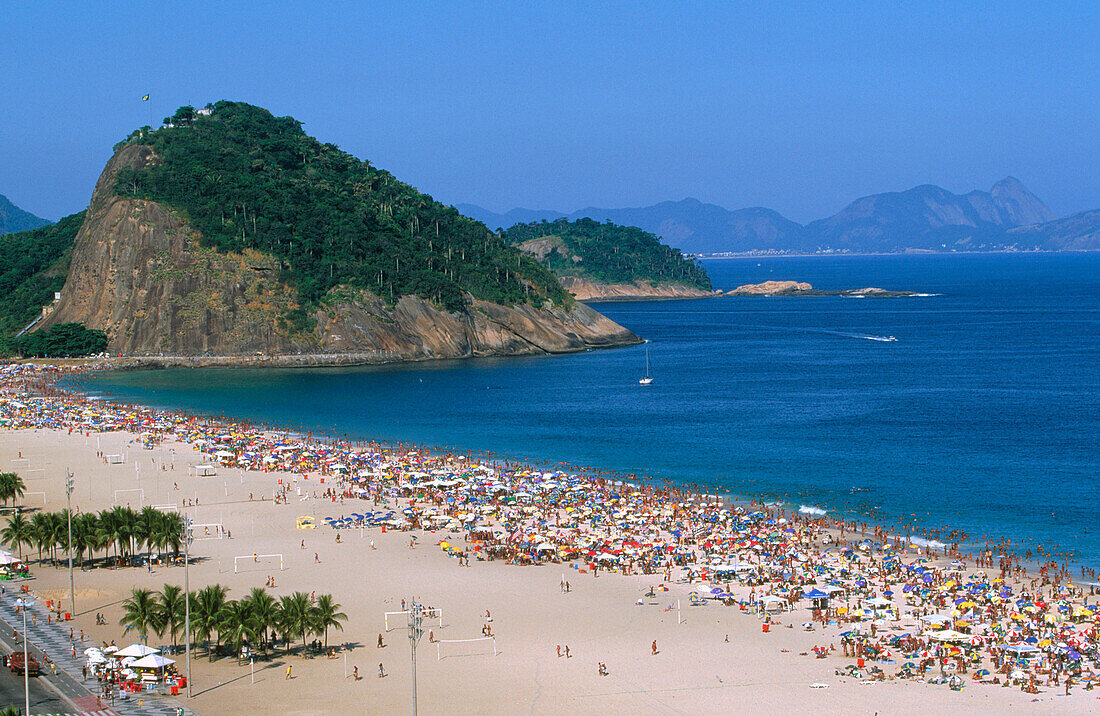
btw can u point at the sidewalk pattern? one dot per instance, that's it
(53, 639)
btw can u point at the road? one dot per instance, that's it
(43, 700)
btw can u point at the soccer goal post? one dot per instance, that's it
(140, 491)
(258, 562)
(465, 647)
(427, 613)
(207, 530)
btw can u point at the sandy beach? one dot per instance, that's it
(695, 668)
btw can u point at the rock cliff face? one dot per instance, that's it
(585, 290)
(140, 273)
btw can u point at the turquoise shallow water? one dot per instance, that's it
(983, 415)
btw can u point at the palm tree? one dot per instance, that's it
(12, 486)
(207, 611)
(295, 613)
(17, 533)
(171, 604)
(172, 527)
(125, 528)
(142, 612)
(59, 532)
(42, 529)
(236, 625)
(86, 535)
(265, 610)
(147, 522)
(326, 613)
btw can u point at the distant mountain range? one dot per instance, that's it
(13, 219)
(924, 218)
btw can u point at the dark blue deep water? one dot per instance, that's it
(984, 415)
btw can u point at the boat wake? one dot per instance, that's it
(821, 331)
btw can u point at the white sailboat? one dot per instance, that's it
(648, 379)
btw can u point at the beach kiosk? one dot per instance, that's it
(205, 471)
(818, 598)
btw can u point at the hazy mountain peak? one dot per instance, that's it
(1018, 205)
(13, 219)
(924, 217)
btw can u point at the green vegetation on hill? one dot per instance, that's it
(63, 340)
(249, 180)
(33, 265)
(608, 253)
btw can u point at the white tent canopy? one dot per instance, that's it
(153, 661)
(138, 650)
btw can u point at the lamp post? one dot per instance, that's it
(187, 598)
(69, 514)
(22, 604)
(416, 618)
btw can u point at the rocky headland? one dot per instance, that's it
(141, 273)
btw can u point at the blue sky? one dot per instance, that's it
(801, 107)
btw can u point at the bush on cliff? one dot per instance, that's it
(64, 340)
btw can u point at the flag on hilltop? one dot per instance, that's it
(145, 98)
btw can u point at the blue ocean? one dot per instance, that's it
(983, 415)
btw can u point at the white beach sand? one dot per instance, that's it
(695, 671)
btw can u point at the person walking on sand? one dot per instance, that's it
(380, 644)
(653, 648)
(567, 652)
(381, 671)
(288, 676)
(355, 673)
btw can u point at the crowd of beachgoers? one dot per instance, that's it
(889, 607)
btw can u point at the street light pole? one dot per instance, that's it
(415, 632)
(187, 598)
(69, 510)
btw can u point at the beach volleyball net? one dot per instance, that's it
(482, 646)
(401, 619)
(256, 562)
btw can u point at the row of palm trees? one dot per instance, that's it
(250, 620)
(122, 529)
(12, 487)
